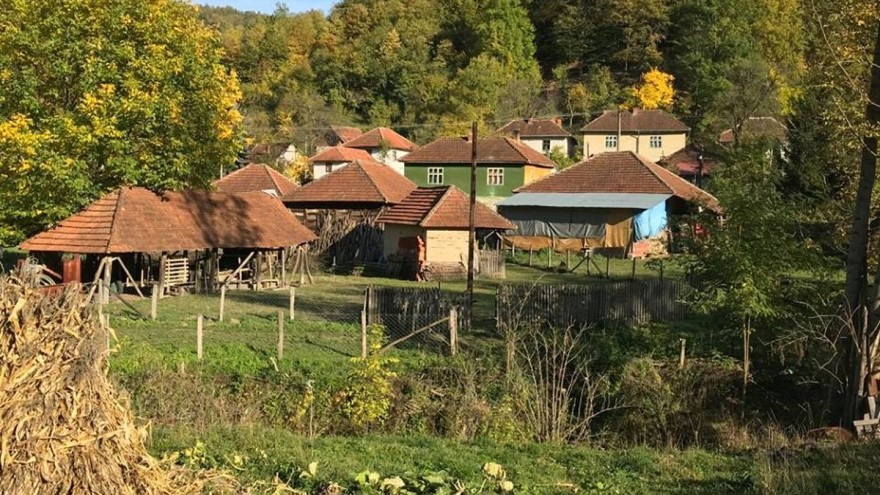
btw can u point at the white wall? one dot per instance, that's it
(537, 144)
(641, 144)
(319, 169)
(391, 158)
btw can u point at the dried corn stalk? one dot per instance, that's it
(63, 429)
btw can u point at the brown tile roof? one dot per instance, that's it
(686, 161)
(757, 127)
(534, 128)
(379, 137)
(620, 172)
(341, 154)
(362, 181)
(265, 152)
(136, 220)
(442, 207)
(492, 150)
(636, 120)
(344, 133)
(255, 177)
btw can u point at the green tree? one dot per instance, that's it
(96, 94)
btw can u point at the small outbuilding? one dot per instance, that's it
(620, 202)
(199, 240)
(426, 234)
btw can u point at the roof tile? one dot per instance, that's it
(255, 177)
(340, 154)
(362, 181)
(535, 128)
(636, 120)
(379, 137)
(442, 207)
(492, 150)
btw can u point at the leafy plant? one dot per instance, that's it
(367, 396)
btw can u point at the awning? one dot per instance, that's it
(636, 201)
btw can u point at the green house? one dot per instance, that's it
(503, 164)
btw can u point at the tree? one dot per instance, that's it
(99, 94)
(656, 90)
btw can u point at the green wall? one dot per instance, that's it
(460, 176)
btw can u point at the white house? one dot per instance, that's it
(542, 135)
(384, 146)
(335, 158)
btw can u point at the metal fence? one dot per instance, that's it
(622, 302)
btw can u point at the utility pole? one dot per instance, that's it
(472, 219)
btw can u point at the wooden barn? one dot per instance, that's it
(426, 234)
(255, 177)
(177, 241)
(619, 202)
(342, 207)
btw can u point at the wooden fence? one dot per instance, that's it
(412, 303)
(492, 264)
(623, 302)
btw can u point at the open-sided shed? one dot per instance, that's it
(611, 200)
(191, 238)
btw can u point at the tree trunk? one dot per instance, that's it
(857, 252)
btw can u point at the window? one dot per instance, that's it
(435, 175)
(610, 142)
(328, 168)
(546, 146)
(656, 141)
(495, 176)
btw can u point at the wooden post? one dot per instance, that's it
(550, 254)
(162, 260)
(108, 270)
(607, 266)
(363, 334)
(280, 335)
(282, 253)
(683, 344)
(199, 336)
(292, 302)
(472, 220)
(567, 260)
(661, 270)
(453, 331)
(258, 274)
(154, 301)
(634, 269)
(530, 256)
(222, 300)
(589, 254)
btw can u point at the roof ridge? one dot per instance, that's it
(370, 179)
(437, 204)
(271, 173)
(116, 206)
(654, 169)
(510, 141)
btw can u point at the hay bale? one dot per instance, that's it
(63, 428)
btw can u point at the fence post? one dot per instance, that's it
(550, 254)
(567, 260)
(607, 266)
(530, 256)
(634, 268)
(222, 300)
(199, 335)
(154, 302)
(683, 343)
(292, 301)
(453, 331)
(280, 335)
(363, 334)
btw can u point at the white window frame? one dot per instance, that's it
(495, 176)
(546, 146)
(611, 142)
(435, 175)
(328, 167)
(655, 142)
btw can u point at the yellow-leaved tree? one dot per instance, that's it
(97, 94)
(655, 91)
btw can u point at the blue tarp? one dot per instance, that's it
(650, 222)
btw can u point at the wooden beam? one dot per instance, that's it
(237, 270)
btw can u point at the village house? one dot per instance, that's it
(755, 127)
(503, 164)
(334, 158)
(649, 133)
(384, 146)
(342, 207)
(255, 177)
(335, 135)
(692, 163)
(426, 234)
(618, 201)
(542, 135)
(189, 240)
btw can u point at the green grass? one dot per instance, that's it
(534, 468)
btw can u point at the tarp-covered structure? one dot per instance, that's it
(146, 228)
(608, 201)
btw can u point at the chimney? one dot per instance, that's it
(467, 137)
(516, 134)
(557, 121)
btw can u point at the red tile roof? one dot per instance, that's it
(636, 120)
(362, 181)
(344, 133)
(493, 150)
(341, 154)
(687, 160)
(757, 127)
(379, 137)
(620, 172)
(255, 177)
(136, 220)
(442, 207)
(535, 128)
